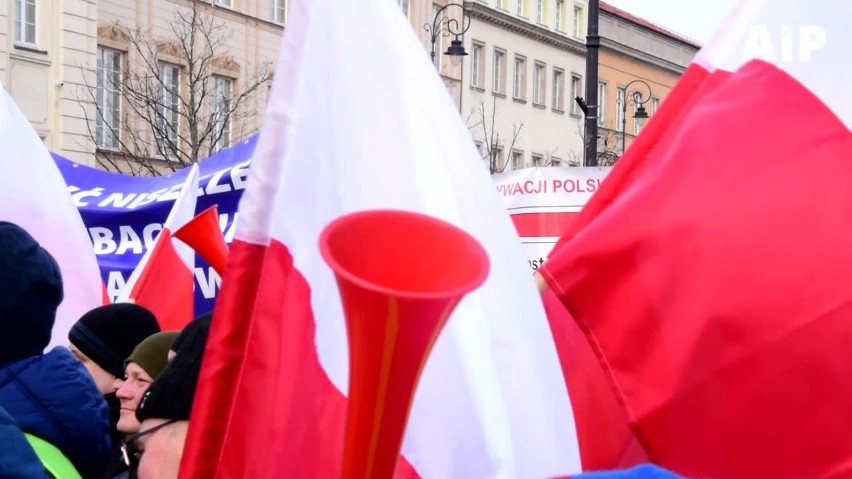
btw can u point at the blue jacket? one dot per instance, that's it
(17, 458)
(645, 471)
(53, 397)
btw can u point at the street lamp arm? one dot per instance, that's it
(445, 26)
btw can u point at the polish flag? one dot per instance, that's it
(353, 126)
(34, 195)
(711, 272)
(163, 279)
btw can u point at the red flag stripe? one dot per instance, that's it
(542, 224)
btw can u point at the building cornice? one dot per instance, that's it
(502, 19)
(642, 56)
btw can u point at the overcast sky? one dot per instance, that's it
(696, 19)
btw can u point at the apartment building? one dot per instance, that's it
(639, 63)
(45, 48)
(526, 63)
(61, 62)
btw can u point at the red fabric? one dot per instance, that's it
(605, 439)
(711, 275)
(203, 235)
(542, 224)
(264, 407)
(165, 285)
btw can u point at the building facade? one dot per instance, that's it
(45, 49)
(526, 63)
(639, 63)
(62, 62)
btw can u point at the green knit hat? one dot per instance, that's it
(152, 354)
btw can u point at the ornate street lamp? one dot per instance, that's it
(639, 114)
(444, 26)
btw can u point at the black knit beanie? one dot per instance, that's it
(170, 395)
(200, 322)
(30, 292)
(108, 334)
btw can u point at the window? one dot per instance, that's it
(559, 24)
(500, 4)
(539, 11)
(521, 8)
(559, 92)
(168, 99)
(637, 101)
(578, 22)
(537, 160)
(499, 68)
(620, 98)
(538, 84)
(403, 4)
(556, 162)
(222, 95)
(655, 104)
(25, 22)
(477, 65)
(517, 160)
(108, 98)
(520, 75)
(224, 3)
(601, 103)
(576, 90)
(279, 10)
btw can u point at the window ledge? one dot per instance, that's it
(519, 100)
(477, 88)
(30, 48)
(498, 94)
(558, 110)
(575, 115)
(539, 105)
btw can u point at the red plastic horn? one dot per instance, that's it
(400, 276)
(202, 234)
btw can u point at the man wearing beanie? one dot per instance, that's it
(49, 396)
(101, 339)
(105, 336)
(165, 410)
(141, 368)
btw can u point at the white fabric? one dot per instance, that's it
(34, 195)
(359, 119)
(182, 211)
(813, 48)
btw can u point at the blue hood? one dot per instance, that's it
(53, 397)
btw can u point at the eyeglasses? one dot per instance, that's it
(131, 453)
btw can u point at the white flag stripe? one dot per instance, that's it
(34, 195)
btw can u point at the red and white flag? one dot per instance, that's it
(34, 195)
(711, 272)
(163, 279)
(353, 126)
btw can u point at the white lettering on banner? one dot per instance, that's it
(77, 195)
(239, 173)
(118, 200)
(128, 240)
(214, 187)
(152, 196)
(102, 240)
(115, 285)
(208, 280)
(171, 194)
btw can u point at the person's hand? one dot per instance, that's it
(540, 282)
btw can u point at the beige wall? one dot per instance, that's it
(44, 78)
(254, 39)
(634, 52)
(547, 132)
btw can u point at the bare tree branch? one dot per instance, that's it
(166, 123)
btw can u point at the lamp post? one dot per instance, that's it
(445, 26)
(593, 44)
(639, 114)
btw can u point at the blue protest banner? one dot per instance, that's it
(124, 214)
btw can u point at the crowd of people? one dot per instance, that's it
(114, 404)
